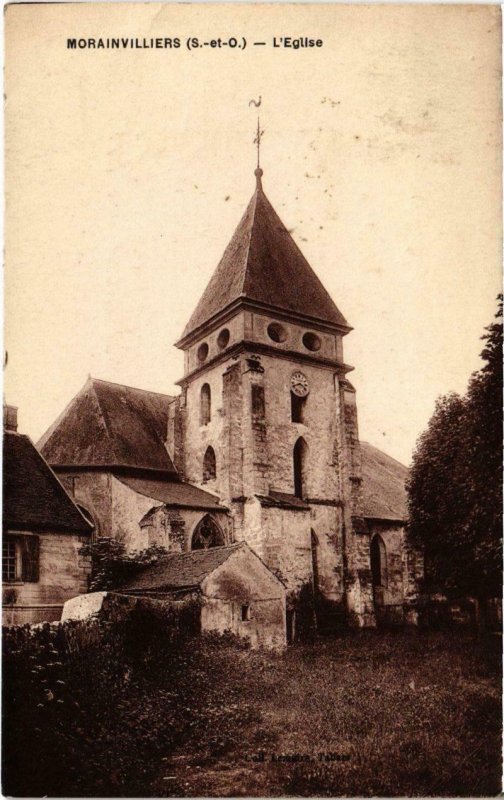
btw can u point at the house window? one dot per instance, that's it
(205, 404)
(245, 613)
(297, 407)
(209, 465)
(20, 559)
(299, 464)
(10, 570)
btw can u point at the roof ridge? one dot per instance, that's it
(53, 427)
(127, 386)
(187, 553)
(252, 219)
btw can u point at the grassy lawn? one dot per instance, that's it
(412, 713)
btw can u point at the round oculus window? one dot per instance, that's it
(202, 352)
(223, 338)
(312, 342)
(277, 332)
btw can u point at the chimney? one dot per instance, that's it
(10, 417)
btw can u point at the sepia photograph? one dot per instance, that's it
(252, 450)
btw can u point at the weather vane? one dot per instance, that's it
(259, 132)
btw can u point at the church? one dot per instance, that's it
(260, 446)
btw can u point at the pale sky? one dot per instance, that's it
(127, 172)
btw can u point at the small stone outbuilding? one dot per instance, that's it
(240, 594)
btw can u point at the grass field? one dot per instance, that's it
(409, 713)
(139, 712)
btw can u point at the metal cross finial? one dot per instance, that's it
(257, 141)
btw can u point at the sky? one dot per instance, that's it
(127, 172)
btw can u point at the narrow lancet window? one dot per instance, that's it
(209, 465)
(205, 404)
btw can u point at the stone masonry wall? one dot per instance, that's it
(91, 490)
(63, 574)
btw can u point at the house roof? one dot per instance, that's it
(262, 263)
(33, 497)
(181, 570)
(383, 485)
(179, 494)
(107, 425)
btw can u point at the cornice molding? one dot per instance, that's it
(265, 349)
(249, 305)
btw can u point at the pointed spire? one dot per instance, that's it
(262, 264)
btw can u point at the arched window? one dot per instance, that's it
(209, 465)
(207, 534)
(297, 407)
(299, 463)
(378, 561)
(314, 556)
(205, 404)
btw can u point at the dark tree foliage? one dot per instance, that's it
(455, 485)
(112, 566)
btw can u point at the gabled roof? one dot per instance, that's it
(383, 485)
(109, 425)
(263, 264)
(181, 570)
(33, 498)
(177, 494)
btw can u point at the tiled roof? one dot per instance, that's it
(108, 425)
(263, 263)
(173, 493)
(383, 485)
(33, 497)
(181, 570)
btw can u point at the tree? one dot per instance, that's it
(112, 566)
(455, 485)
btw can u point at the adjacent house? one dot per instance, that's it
(43, 533)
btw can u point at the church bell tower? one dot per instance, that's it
(267, 418)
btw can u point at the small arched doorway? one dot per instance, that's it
(207, 534)
(378, 558)
(378, 562)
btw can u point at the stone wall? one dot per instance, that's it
(265, 628)
(173, 528)
(92, 491)
(63, 573)
(243, 596)
(128, 508)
